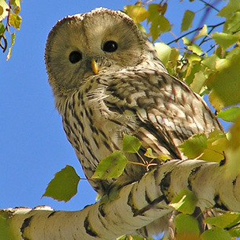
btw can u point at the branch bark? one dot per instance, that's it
(134, 206)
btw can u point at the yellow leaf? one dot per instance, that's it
(16, 6)
(15, 21)
(202, 33)
(163, 51)
(138, 13)
(3, 10)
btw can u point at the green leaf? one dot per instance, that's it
(230, 115)
(64, 185)
(216, 233)
(149, 154)
(225, 82)
(160, 25)
(187, 20)
(194, 147)
(154, 10)
(210, 62)
(162, 157)
(226, 220)
(217, 143)
(131, 144)
(5, 232)
(185, 202)
(225, 40)
(233, 151)
(230, 9)
(2, 29)
(235, 232)
(111, 167)
(233, 24)
(187, 227)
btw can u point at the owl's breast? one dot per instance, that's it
(95, 129)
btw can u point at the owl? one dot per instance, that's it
(108, 82)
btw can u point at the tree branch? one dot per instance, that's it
(134, 206)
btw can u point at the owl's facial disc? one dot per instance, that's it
(100, 42)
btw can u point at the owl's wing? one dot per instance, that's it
(167, 111)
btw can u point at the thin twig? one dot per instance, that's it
(194, 30)
(185, 34)
(4, 44)
(205, 39)
(210, 5)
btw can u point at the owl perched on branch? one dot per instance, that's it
(108, 82)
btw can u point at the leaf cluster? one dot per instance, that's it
(65, 183)
(10, 20)
(225, 226)
(114, 165)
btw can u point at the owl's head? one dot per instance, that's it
(83, 45)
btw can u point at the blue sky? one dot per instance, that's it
(33, 146)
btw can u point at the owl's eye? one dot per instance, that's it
(110, 46)
(75, 57)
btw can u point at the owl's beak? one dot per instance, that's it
(95, 67)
